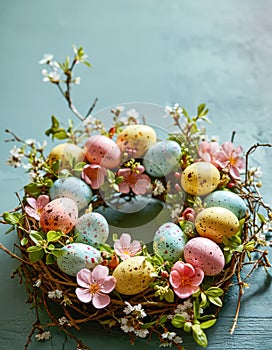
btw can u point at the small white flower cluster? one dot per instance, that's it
(55, 294)
(176, 110)
(64, 321)
(185, 309)
(158, 188)
(132, 323)
(43, 336)
(170, 338)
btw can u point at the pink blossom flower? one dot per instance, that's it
(96, 285)
(207, 151)
(188, 214)
(94, 175)
(125, 248)
(231, 159)
(134, 179)
(35, 206)
(185, 279)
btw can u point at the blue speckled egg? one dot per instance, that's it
(169, 241)
(92, 229)
(228, 200)
(78, 256)
(161, 158)
(74, 188)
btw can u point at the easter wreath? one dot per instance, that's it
(215, 225)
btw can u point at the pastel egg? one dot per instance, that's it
(216, 222)
(203, 253)
(77, 256)
(138, 137)
(133, 275)
(200, 178)
(92, 228)
(59, 215)
(169, 241)
(161, 158)
(74, 188)
(66, 153)
(228, 200)
(103, 151)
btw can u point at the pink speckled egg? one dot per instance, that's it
(59, 215)
(103, 151)
(204, 253)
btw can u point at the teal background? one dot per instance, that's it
(155, 51)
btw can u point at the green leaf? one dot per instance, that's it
(163, 319)
(53, 236)
(214, 292)
(169, 296)
(196, 308)
(200, 109)
(57, 252)
(261, 218)
(60, 135)
(199, 336)
(50, 259)
(187, 327)
(24, 241)
(34, 248)
(204, 300)
(207, 324)
(216, 301)
(12, 218)
(36, 237)
(148, 325)
(33, 189)
(35, 256)
(178, 321)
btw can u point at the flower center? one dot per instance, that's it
(185, 280)
(94, 288)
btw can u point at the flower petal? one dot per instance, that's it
(100, 300)
(99, 274)
(125, 240)
(175, 279)
(84, 295)
(135, 247)
(197, 278)
(42, 201)
(124, 187)
(108, 284)
(185, 291)
(84, 278)
(32, 212)
(32, 202)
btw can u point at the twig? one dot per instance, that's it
(91, 108)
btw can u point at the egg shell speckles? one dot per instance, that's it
(133, 275)
(200, 178)
(74, 188)
(138, 137)
(92, 229)
(216, 222)
(169, 241)
(65, 152)
(161, 158)
(60, 214)
(228, 200)
(78, 256)
(103, 151)
(204, 253)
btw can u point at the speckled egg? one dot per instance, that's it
(92, 229)
(216, 222)
(66, 152)
(200, 178)
(59, 215)
(161, 158)
(169, 241)
(138, 137)
(228, 200)
(103, 151)
(203, 253)
(74, 188)
(133, 275)
(78, 256)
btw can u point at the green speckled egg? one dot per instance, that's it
(228, 200)
(200, 178)
(133, 275)
(216, 222)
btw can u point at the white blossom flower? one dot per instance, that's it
(90, 120)
(137, 310)
(128, 309)
(175, 213)
(64, 321)
(126, 326)
(142, 333)
(55, 294)
(133, 113)
(178, 340)
(15, 157)
(159, 188)
(168, 335)
(175, 110)
(165, 344)
(47, 58)
(52, 77)
(77, 80)
(43, 336)
(37, 283)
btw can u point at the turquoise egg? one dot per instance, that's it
(74, 188)
(169, 241)
(162, 158)
(77, 256)
(228, 200)
(92, 229)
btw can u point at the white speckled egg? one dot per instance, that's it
(162, 158)
(200, 178)
(228, 200)
(59, 215)
(103, 151)
(169, 241)
(138, 137)
(216, 222)
(92, 229)
(203, 253)
(74, 188)
(133, 275)
(77, 256)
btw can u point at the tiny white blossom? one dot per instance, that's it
(77, 80)
(63, 320)
(169, 335)
(139, 311)
(47, 58)
(178, 340)
(52, 77)
(133, 113)
(175, 213)
(125, 326)
(43, 336)
(55, 294)
(128, 309)
(142, 333)
(165, 345)
(15, 157)
(30, 142)
(159, 188)
(90, 120)
(37, 283)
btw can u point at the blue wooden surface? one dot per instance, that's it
(155, 51)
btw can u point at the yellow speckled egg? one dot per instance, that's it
(133, 275)
(216, 222)
(65, 152)
(200, 178)
(138, 138)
